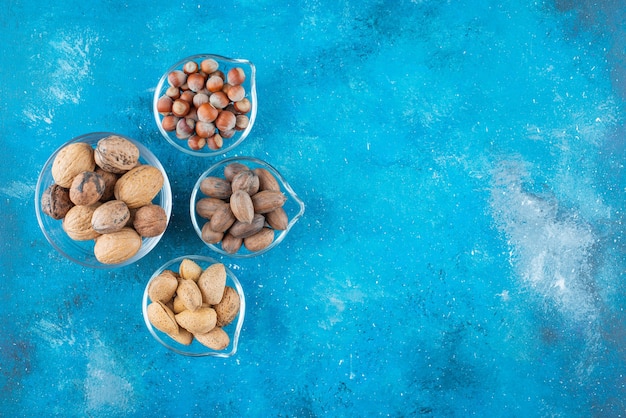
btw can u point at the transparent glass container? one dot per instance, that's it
(195, 349)
(81, 252)
(225, 64)
(294, 206)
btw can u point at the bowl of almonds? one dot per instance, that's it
(103, 200)
(243, 207)
(205, 105)
(195, 306)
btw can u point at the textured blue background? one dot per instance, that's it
(463, 249)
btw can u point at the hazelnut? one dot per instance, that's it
(236, 76)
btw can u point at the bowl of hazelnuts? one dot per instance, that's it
(103, 200)
(205, 105)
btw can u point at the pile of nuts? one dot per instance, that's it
(106, 195)
(193, 304)
(203, 105)
(245, 207)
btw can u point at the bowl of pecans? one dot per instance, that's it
(205, 105)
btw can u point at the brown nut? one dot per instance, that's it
(243, 230)
(200, 321)
(109, 183)
(206, 207)
(87, 188)
(241, 206)
(162, 318)
(260, 240)
(118, 246)
(72, 160)
(232, 169)
(209, 236)
(55, 201)
(266, 201)
(216, 339)
(231, 244)
(277, 219)
(267, 181)
(228, 308)
(139, 186)
(189, 293)
(150, 220)
(163, 287)
(110, 217)
(216, 187)
(77, 223)
(222, 219)
(116, 154)
(246, 181)
(212, 282)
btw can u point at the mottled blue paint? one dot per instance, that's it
(462, 251)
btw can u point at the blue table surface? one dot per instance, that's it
(462, 251)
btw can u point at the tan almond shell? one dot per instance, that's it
(216, 339)
(190, 270)
(212, 282)
(228, 308)
(199, 321)
(189, 293)
(162, 318)
(163, 287)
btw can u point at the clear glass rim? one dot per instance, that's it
(281, 236)
(238, 326)
(147, 243)
(252, 96)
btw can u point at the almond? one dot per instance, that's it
(212, 282)
(267, 200)
(189, 293)
(216, 339)
(228, 308)
(190, 270)
(200, 321)
(242, 206)
(163, 287)
(162, 318)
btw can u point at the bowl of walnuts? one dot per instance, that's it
(103, 200)
(195, 306)
(205, 105)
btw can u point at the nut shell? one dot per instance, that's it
(55, 201)
(228, 308)
(200, 321)
(189, 293)
(267, 200)
(216, 187)
(242, 206)
(212, 282)
(150, 220)
(110, 217)
(162, 318)
(139, 186)
(77, 223)
(163, 287)
(70, 161)
(260, 240)
(190, 270)
(243, 230)
(216, 339)
(118, 246)
(116, 154)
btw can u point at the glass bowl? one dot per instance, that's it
(82, 252)
(224, 65)
(195, 349)
(293, 206)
